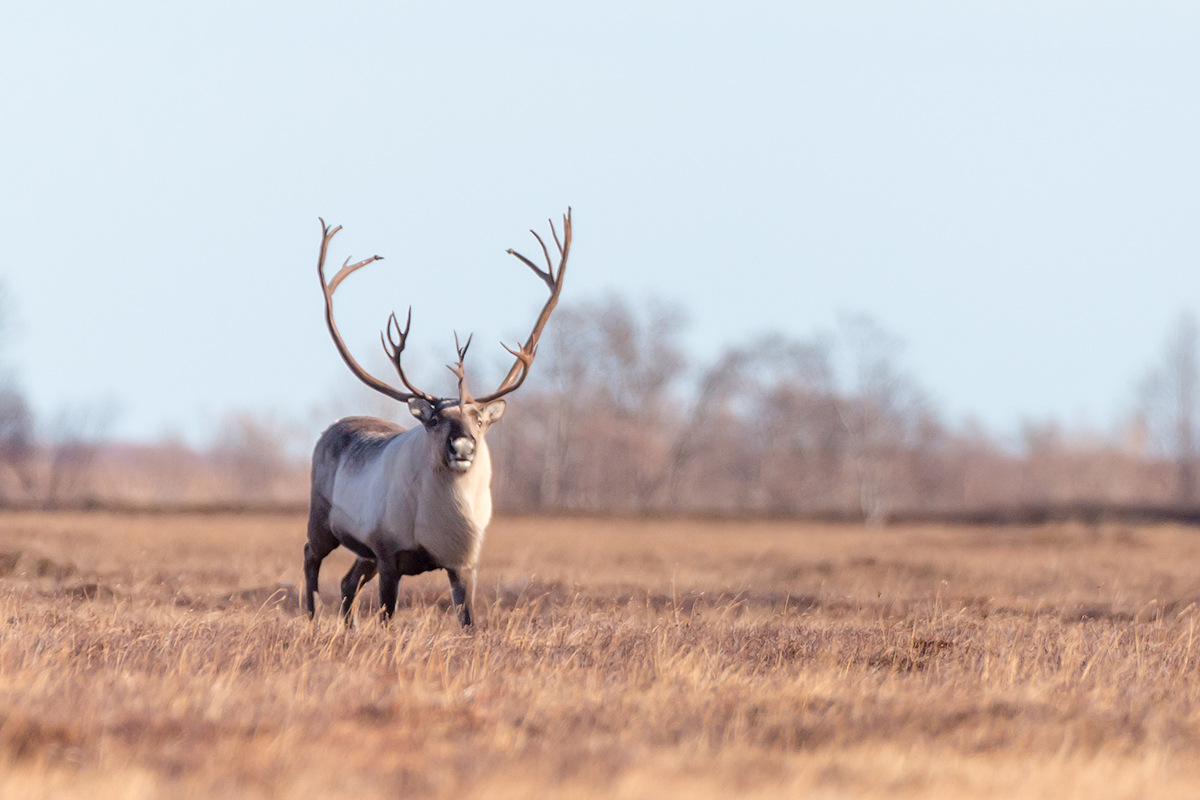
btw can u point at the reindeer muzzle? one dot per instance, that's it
(461, 453)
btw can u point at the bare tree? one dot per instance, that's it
(74, 440)
(18, 447)
(880, 416)
(766, 412)
(256, 453)
(615, 424)
(1170, 402)
(603, 413)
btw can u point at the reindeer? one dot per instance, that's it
(411, 501)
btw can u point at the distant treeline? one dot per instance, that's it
(621, 420)
(1082, 513)
(618, 419)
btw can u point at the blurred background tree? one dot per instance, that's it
(1170, 403)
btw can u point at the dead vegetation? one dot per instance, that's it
(149, 656)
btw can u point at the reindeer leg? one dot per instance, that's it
(389, 584)
(313, 556)
(462, 599)
(321, 543)
(362, 571)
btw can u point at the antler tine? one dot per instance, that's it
(396, 349)
(462, 351)
(528, 351)
(554, 233)
(347, 268)
(546, 253)
(525, 360)
(460, 371)
(545, 276)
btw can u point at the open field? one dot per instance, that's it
(151, 656)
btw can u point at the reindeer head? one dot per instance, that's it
(458, 424)
(457, 429)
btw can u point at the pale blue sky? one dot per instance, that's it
(1013, 188)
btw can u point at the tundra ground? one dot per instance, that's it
(154, 656)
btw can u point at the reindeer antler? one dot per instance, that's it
(394, 338)
(528, 351)
(328, 289)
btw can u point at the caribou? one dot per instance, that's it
(415, 500)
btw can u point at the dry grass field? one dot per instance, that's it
(156, 656)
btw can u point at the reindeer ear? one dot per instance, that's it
(491, 412)
(422, 410)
